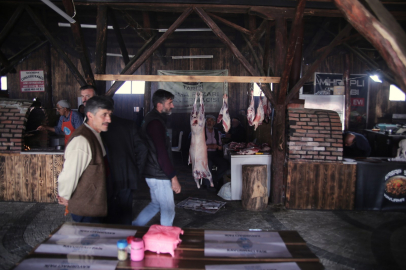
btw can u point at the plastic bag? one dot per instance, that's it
(225, 191)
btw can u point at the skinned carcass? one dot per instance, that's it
(198, 148)
(224, 115)
(251, 110)
(259, 117)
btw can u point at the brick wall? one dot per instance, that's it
(13, 116)
(314, 135)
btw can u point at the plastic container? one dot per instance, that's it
(137, 249)
(122, 254)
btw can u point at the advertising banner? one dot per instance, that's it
(185, 91)
(381, 186)
(324, 85)
(32, 81)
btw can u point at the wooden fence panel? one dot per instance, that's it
(320, 185)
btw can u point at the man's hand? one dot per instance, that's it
(175, 185)
(62, 201)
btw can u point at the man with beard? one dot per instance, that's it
(159, 170)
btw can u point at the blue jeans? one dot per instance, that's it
(161, 201)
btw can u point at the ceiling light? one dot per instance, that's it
(118, 55)
(58, 10)
(84, 25)
(192, 56)
(375, 78)
(188, 30)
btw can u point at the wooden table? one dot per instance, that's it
(190, 253)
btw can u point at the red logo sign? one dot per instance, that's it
(358, 102)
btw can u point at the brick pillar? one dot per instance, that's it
(13, 116)
(314, 135)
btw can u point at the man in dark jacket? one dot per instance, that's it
(355, 145)
(126, 155)
(159, 171)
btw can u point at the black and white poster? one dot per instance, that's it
(324, 85)
(185, 91)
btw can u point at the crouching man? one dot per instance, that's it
(82, 182)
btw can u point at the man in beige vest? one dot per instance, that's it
(82, 182)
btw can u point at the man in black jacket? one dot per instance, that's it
(126, 155)
(159, 169)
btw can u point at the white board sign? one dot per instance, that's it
(32, 81)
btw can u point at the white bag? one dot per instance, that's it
(225, 191)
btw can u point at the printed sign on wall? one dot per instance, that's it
(32, 81)
(324, 85)
(185, 91)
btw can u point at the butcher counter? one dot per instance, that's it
(30, 176)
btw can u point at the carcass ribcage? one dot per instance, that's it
(224, 115)
(198, 148)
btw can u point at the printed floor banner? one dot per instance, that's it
(185, 91)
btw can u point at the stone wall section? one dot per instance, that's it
(13, 117)
(314, 134)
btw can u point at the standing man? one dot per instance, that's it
(82, 182)
(126, 155)
(159, 170)
(214, 152)
(87, 92)
(68, 122)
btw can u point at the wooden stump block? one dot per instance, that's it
(254, 187)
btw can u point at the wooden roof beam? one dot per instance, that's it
(316, 39)
(80, 45)
(217, 31)
(56, 46)
(232, 25)
(379, 35)
(294, 35)
(261, 30)
(143, 34)
(186, 78)
(119, 37)
(10, 24)
(21, 55)
(310, 72)
(149, 51)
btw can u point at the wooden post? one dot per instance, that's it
(346, 79)
(278, 126)
(101, 47)
(254, 187)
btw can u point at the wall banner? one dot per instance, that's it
(32, 81)
(185, 91)
(324, 85)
